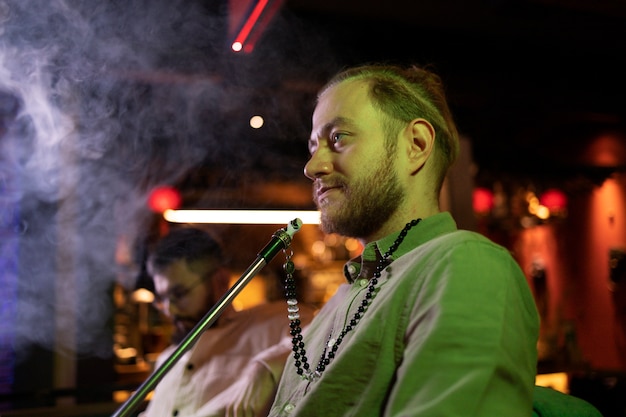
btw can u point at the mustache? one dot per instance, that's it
(320, 185)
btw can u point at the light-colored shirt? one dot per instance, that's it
(451, 331)
(201, 382)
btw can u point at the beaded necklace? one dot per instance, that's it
(299, 352)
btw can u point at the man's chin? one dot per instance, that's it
(330, 221)
(335, 199)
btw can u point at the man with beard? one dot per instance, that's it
(235, 365)
(433, 321)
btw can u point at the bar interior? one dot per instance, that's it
(122, 121)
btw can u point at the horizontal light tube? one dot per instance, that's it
(241, 216)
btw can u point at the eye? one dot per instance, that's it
(178, 293)
(336, 137)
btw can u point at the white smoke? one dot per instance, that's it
(102, 101)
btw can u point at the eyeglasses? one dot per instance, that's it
(177, 294)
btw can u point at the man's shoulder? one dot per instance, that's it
(458, 243)
(462, 237)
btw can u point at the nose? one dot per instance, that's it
(173, 309)
(168, 308)
(319, 164)
(164, 307)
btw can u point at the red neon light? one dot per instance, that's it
(554, 199)
(252, 20)
(482, 200)
(163, 198)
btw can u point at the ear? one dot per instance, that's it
(421, 136)
(221, 280)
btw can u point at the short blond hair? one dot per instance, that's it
(406, 93)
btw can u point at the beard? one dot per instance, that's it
(369, 203)
(183, 324)
(182, 327)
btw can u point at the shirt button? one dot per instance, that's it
(363, 282)
(289, 408)
(351, 269)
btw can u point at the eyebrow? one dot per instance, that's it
(323, 132)
(337, 121)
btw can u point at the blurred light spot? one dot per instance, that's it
(353, 245)
(237, 46)
(256, 122)
(318, 248)
(164, 198)
(542, 212)
(482, 200)
(554, 199)
(142, 295)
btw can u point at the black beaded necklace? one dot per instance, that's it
(299, 351)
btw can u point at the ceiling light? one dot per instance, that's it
(241, 216)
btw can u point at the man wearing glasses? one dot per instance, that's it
(228, 371)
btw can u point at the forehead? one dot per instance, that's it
(342, 99)
(177, 273)
(345, 106)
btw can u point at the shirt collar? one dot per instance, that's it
(427, 229)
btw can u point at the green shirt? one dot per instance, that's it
(452, 331)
